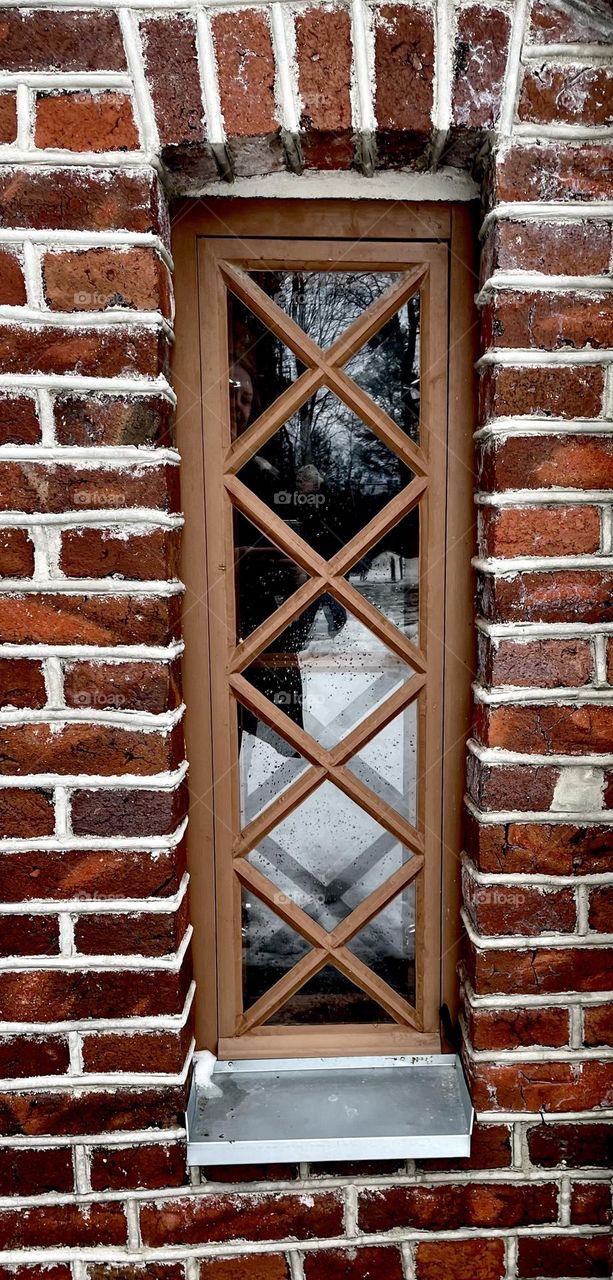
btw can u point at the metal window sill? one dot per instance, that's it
(290, 1109)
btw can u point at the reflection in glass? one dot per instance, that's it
(324, 303)
(387, 367)
(388, 763)
(326, 672)
(388, 575)
(264, 576)
(265, 769)
(261, 366)
(387, 944)
(270, 948)
(329, 998)
(328, 855)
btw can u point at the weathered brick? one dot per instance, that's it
(262, 1266)
(44, 40)
(551, 24)
(137, 1271)
(557, 849)
(323, 55)
(550, 172)
(600, 910)
(84, 121)
(555, 248)
(91, 874)
(246, 72)
(112, 420)
(66, 1224)
(534, 462)
(58, 1113)
(103, 553)
(540, 531)
(540, 1086)
(29, 936)
(518, 786)
(12, 283)
(105, 353)
(18, 420)
(474, 1204)
(94, 279)
(522, 909)
(16, 554)
(144, 934)
(33, 1056)
(598, 1025)
(491, 1029)
(542, 970)
(590, 1204)
(567, 95)
(87, 748)
(564, 1255)
(174, 82)
(29, 995)
(60, 1271)
(22, 683)
(228, 1175)
(566, 595)
(106, 200)
(8, 117)
(546, 321)
(150, 1165)
(25, 812)
(111, 620)
(128, 813)
(490, 1148)
(536, 664)
(143, 1051)
(480, 59)
(137, 686)
(562, 392)
(369, 1263)
(460, 1260)
(404, 68)
(33, 487)
(35, 1172)
(541, 729)
(265, 1217)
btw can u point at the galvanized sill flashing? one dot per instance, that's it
(290, 1109)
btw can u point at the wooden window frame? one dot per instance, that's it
(445, 234)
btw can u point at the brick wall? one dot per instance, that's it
(105, 113)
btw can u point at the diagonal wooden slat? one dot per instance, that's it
(354, 969)
(281, 905)
(282, 991)
(375, 902)
(280, 808)
(377, 720)
(358, 333)
(269, 422)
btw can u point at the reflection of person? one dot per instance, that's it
(267, 577)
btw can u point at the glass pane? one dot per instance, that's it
(324, 303)
(261, 366)
(387, 944)
(270, 948)
(388, 576)
(387, 367)
(267, 765)
(388, 764)
(327, 671)
(329, 998)
(328, 855)
(325, 473)
(264, 576)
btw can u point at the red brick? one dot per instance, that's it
(26, 813)
(85, 122)
(105, 353)
(43, 40)
(480, 60)
(29, 995)
(246, 71)
(228, 1175)
(128, 1168)
(554, 25)
(67, 1225)
(137, 1271)
(33, 487)
(63, 1114)
(555, 248)
(143, 1051)
(137, 686)
(369, 1263)
(590, 1204)
(35, 1172)
(546, 321)
(262, 1266)
(540, 1086)
(564, 1255)
(112, 420)
(601, 909)
(598, 1025)
(542, 664)
(18, 419)
(91, 874)
(535, 462)
(561, 392)
(540, 970)
(94, 279)
(29, 936)
(540, 531)
(174, 82)
(145, 934)
(87, 748)
(491, 1029)
(567, 95)
(100, 553)
(404, 69)
(59, 1272)
(12, 283)
(264, 1217)
(490, 1148)
(128, 813)
(79, 201)
(566, 595)
(112, 620)
(460, 1260)
(545, 728)
(519, 786)
(553, 172)
(33, 1056)
(559, 849)
(22, 683)
(323, 54)
(8, 117)
(522, 909)
(16, 554)
(490, 1204)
